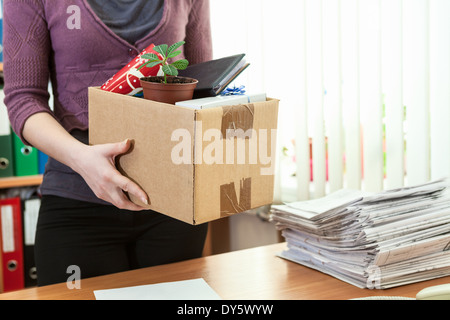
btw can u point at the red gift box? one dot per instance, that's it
(126, 81)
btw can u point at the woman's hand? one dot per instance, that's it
(97, 167)
(96, 164)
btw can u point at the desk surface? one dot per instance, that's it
(251, 274)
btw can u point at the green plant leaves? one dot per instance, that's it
(174, 54)
(150, 56)
(162, 50)
(171, 52)
(166, 52)
(180, 64)
(170, 70)
(151, 64)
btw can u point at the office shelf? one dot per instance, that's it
(14, 182)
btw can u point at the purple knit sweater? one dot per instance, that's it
(41, 40)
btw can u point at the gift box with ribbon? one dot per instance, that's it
(126, 81)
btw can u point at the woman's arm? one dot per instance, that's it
(26, 69)
(94, 163)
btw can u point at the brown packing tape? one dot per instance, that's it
(228, 199)
(238, 117)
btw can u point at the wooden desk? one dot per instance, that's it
(250, 274)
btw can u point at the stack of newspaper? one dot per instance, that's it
(371, 240)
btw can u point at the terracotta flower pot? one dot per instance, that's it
(176, 89)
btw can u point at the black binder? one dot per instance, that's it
(30, 214)
(215, 75)
(6, 156)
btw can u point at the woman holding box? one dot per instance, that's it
(86, 219)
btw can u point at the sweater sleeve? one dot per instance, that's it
(198, 47)
(26, 61)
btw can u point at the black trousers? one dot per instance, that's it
(102, 239)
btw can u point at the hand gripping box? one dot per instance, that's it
(195, 165)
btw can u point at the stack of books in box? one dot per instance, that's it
(371, 240)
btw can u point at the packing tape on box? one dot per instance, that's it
(228, 199)
(237, 120)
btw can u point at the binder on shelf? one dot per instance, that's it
(30, 215)
(6, 156)
(6, 148)
(25, 158)
(42, 161)
(12, 244)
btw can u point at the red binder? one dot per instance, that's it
(12, 244)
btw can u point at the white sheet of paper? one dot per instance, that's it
(196, 289)
(332, 201)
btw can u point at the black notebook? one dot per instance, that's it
(215, 75)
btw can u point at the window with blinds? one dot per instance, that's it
(364, 88)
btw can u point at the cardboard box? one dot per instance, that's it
(180, 156)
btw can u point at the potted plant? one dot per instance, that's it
(168, 88)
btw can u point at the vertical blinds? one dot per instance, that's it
(364, 87)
